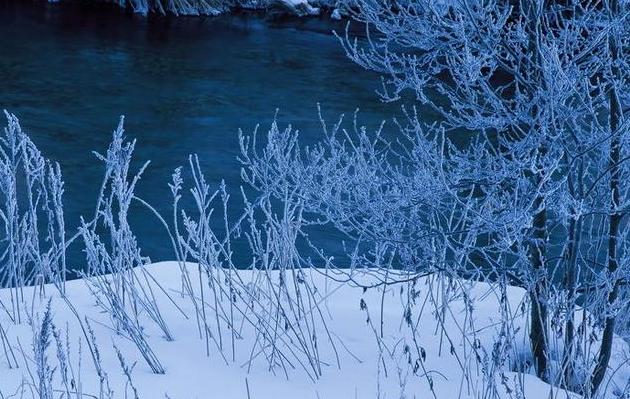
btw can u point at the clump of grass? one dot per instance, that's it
(41, 341)
(31, 216)
(279, 306)
(116, 276)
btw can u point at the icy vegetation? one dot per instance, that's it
(488, 251)
(300, 8)
(281, 326)
(536, 195)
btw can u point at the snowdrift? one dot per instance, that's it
(368, 354)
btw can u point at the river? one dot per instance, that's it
(185, 85)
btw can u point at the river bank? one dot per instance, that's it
(274, 9)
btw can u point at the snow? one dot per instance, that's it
(300, 8)
(336, 14)
(362, 373)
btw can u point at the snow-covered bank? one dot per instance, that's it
(297, 8)
(368, 366)
(300, 8)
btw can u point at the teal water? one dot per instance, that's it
(185, 85)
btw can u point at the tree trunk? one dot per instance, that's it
(615, 217)
(613, 232)
(538, 293)
(575, 228)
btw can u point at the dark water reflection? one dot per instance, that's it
(185, 85)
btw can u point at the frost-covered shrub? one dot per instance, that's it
(407, 211)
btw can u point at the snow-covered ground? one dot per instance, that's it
(368, 366)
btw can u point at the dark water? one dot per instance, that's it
(185, 86)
